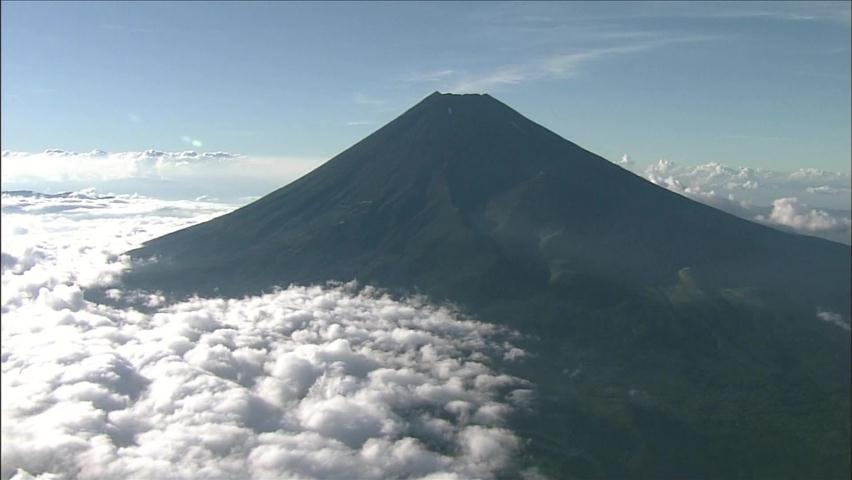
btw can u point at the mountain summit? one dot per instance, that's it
(668, 334)
(465, 199)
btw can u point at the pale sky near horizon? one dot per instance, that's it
(752, 84)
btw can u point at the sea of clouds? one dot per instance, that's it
(336, 381)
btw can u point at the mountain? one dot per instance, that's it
(670, 338)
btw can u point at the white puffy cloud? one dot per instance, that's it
(712, 175)
(792, 213)
(75, 238)
(308, 382)
(737, 190)
(759, 186)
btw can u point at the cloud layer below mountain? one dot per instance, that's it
(307, 382)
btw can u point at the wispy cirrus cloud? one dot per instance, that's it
(595, 33)
(429, 76)
(552, 67)
(493, 80)
(363, 99)
(833, 12)
(782, 11)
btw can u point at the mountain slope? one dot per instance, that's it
(692, 332)
(465, 177)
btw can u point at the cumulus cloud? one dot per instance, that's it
(713, 175)
(759, 186)
(740, 191)
(338, 381)
(663, 173)
(794, 214)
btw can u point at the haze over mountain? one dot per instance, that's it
(670, 338)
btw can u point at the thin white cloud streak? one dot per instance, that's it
(560, 66)
(503, 76)
(833, 318)
(827, 190)
(562, 47)
(429, 76)
(549, 14)
(308, 382)
(833, 12)
(364, 99)
(548, 27)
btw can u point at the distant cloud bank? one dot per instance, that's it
(98, 165)
(766, 196)
(808, 200)
(307, 382)
(185, 174)
(756, 185)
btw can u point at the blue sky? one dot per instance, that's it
(751, 84)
